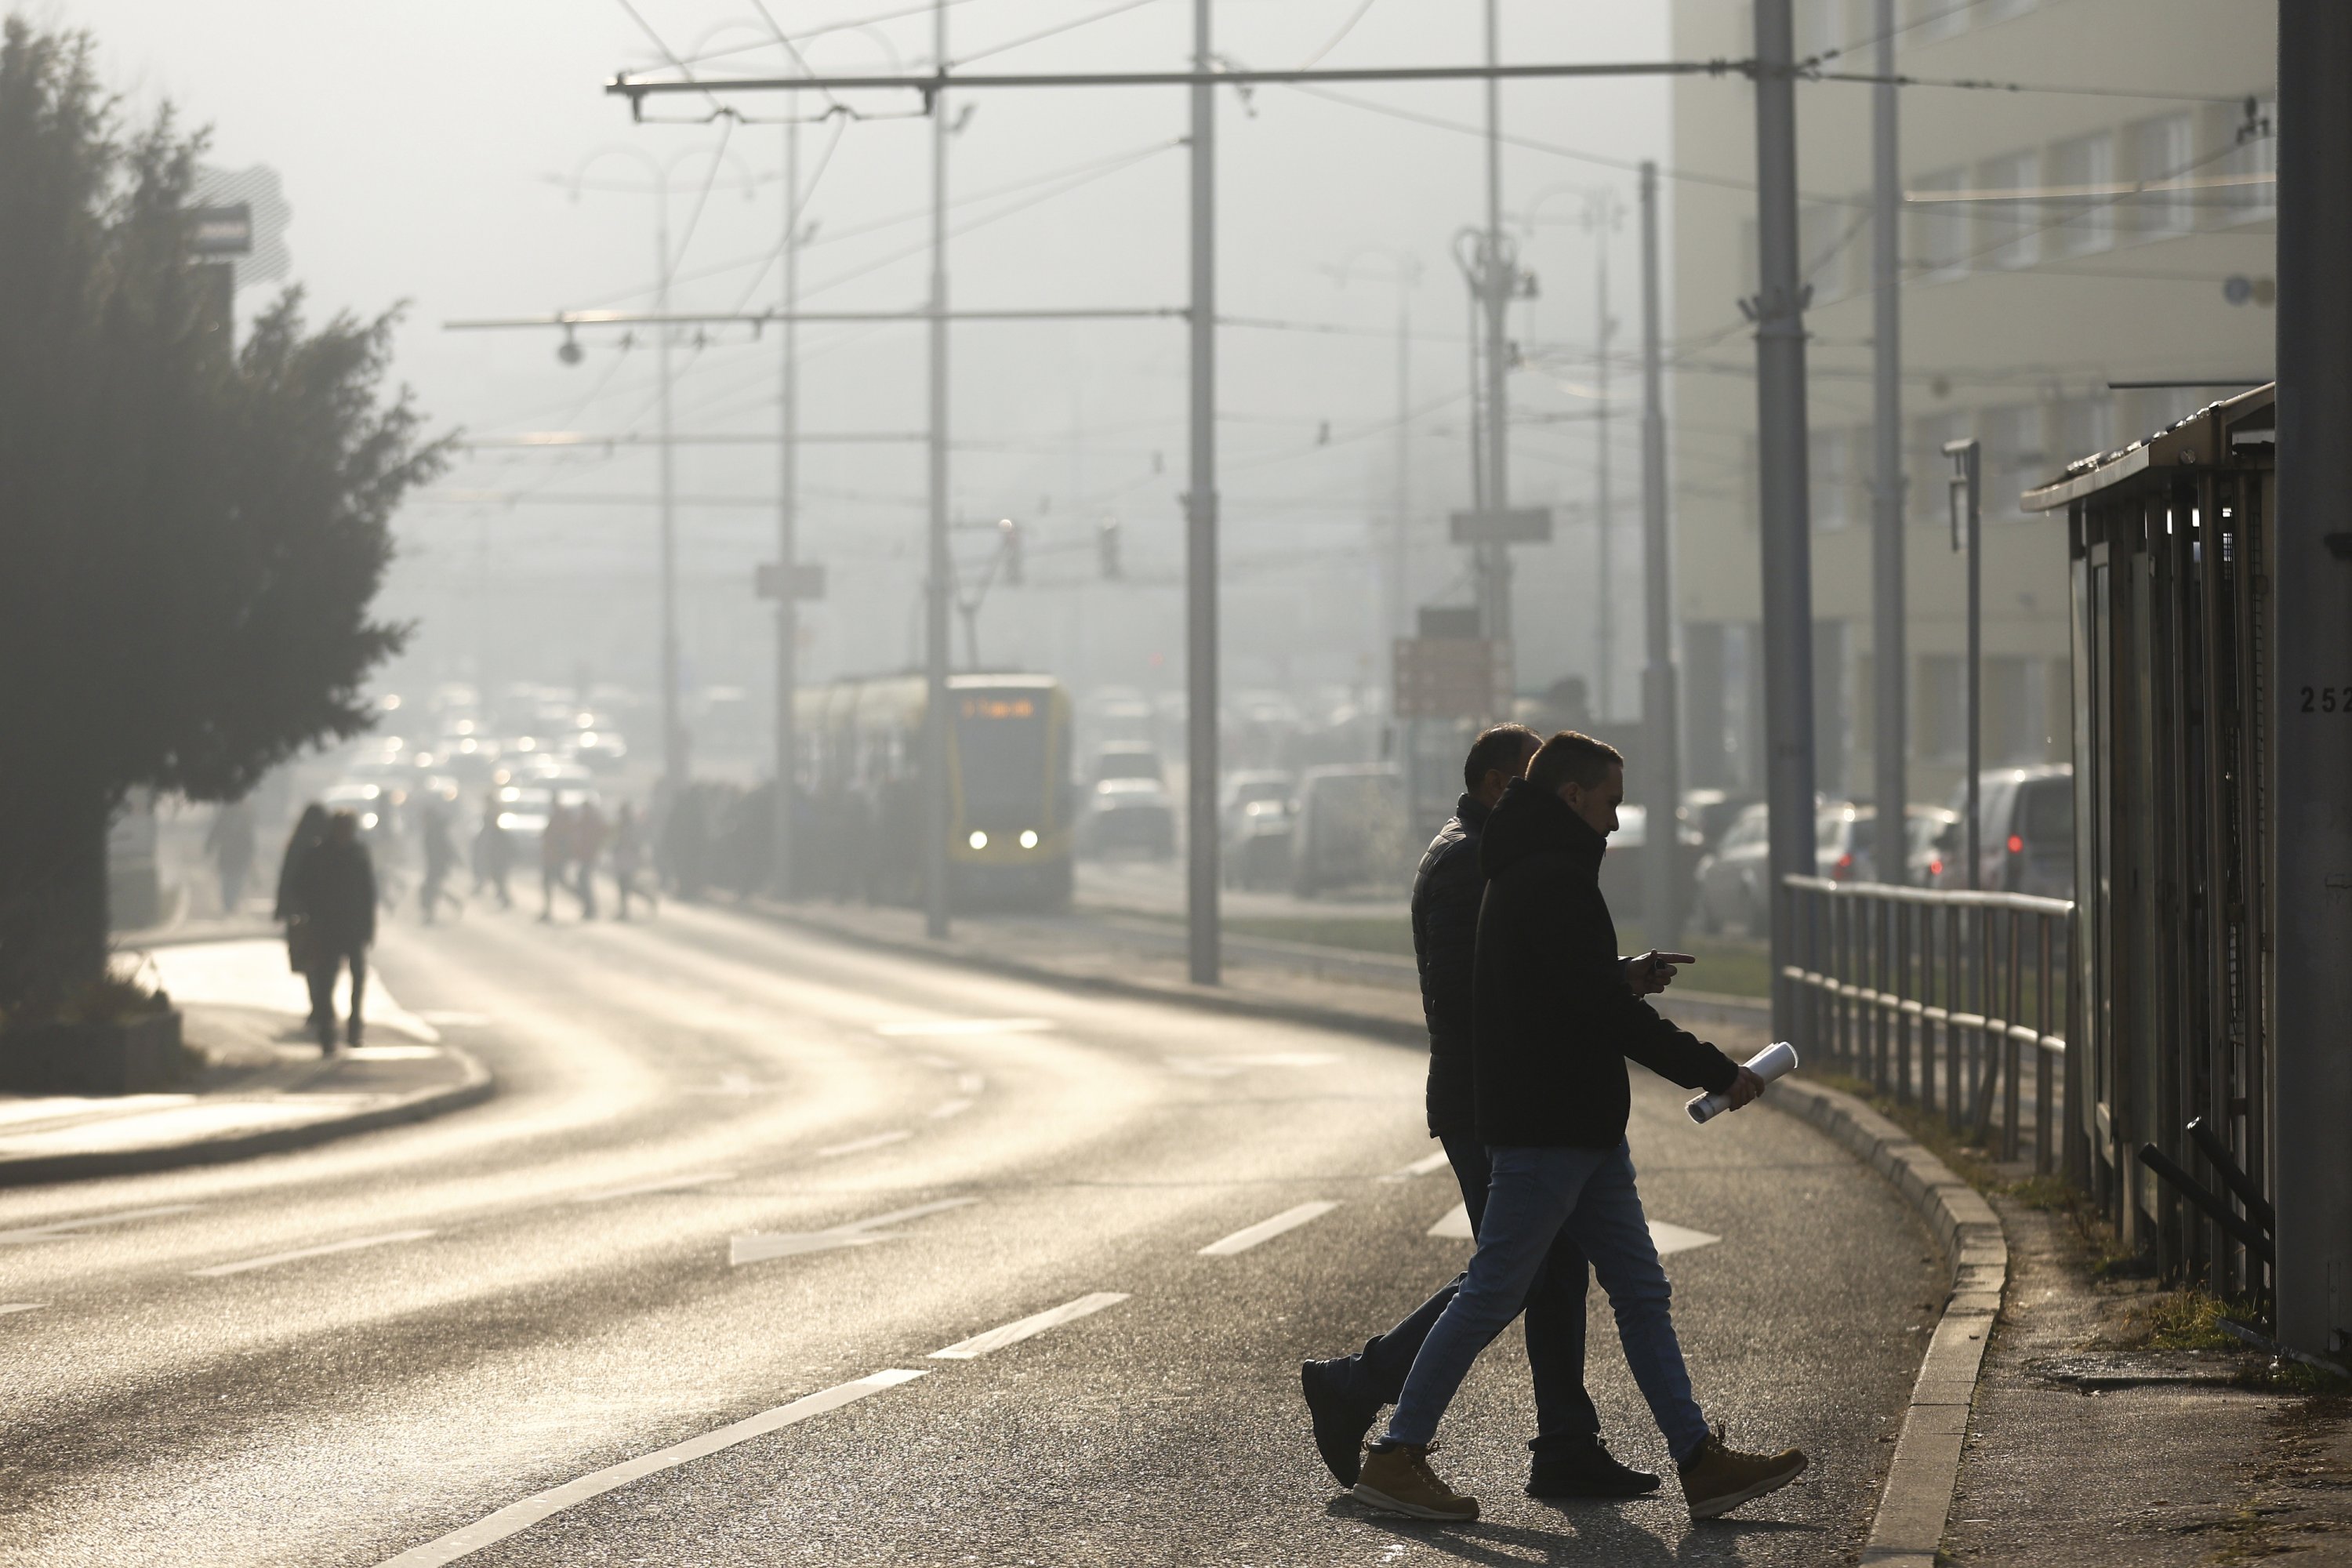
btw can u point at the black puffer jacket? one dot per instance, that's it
(334, 890)
(1554, 1020)
(1445, 893)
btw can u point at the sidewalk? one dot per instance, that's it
(263, 1085)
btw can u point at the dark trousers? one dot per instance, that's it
(1555, 1323)
(321, 975)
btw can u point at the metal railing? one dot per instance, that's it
(1901, 985)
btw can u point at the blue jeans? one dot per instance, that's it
(1537, 1196)
(1555, 1308)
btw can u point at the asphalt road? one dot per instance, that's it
(734, 1166)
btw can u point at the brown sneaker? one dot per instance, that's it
(1719, 1480)
(1399, 1479)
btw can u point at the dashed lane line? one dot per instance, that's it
(1428, 1164)
(1030, 1327)
(948, 1108)
(760, 1247)
(945, 1028)
(1669, 1239)
(859, 1145)
(1267, 1229)
(8, 1307)
(270, 1260)
(69, 1226)
(519, 1515)
(667, 1184)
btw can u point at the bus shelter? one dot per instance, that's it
(2169, 1047)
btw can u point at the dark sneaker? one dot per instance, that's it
(1583, 1467)
(1399, 1478)
(1717, 1479)
(1342, 1415)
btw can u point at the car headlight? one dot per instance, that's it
(1028, 838)
(978, 840)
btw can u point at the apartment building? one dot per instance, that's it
(2053, 243)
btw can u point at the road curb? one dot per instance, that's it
(477, 1085)
(1917, 1497)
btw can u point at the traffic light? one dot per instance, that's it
(1106, 541)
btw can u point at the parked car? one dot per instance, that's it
(2026, 840)
(1130, 815)
(1248, 787)
(1621, 873)
(1849, 842)
(1258, 851)
(1351, 829)
(1732, 878)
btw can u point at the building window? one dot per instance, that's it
(2085, 221)
(2017, 725)
(2161, 155)
(2009, 230)
(2016, 458)
(2085, 428)
(1825, 233)
(1940, 230)
(1942, 732)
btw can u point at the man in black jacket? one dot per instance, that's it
(1554, 1021)
(334, 887)
(1345, 1393)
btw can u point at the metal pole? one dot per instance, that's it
(1400, 543)
(1663, 890)
(1497, 275)
(1786, 506)
(674, 767)
(937, 584)
(1975, 826)
(1605, 629)
(2311, 870)
(787, 521)
(1890, 662)
(1201, 539)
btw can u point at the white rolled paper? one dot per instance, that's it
(1768, 1063)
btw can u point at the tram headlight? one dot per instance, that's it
(1028, 838)
(978, 840)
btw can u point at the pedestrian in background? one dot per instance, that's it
(629, 857)
(1345, 1395)
(440, 859)
(554, 853)
(309, 831)
(587, 848)
(335, 889)
(1553, 1021)
(229, 841)
(493, 853)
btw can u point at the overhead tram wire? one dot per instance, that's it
(1071, 26)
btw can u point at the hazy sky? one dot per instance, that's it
(427, 148)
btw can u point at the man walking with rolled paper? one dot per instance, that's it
(1553, 1024)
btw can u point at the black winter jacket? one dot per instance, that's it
(1445, 893)
(334, 890)
(1554, 1019)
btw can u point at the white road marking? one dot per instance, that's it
(757, 1246)
(8, 1307)
(859, 1145)
(519, 1515)
(1427, 1164)
(1678, 1239)
(1667, 1238)
(941, 1028)
(669, 1184)
(948, 1108)
(1030, 1327)
(271, 1260)
(970, 1082)
(449, 1020)
(1267, 1229)
(68, 1226)
(1227, 1067)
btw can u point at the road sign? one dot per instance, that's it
(808, 580)
(1449, 678)
(1512, 525)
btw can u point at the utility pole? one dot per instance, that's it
(936, 584)
(1497, 275)
(1663, 882)
(2311, 845)
(1779, 311)
(787, 522)
(1201, 912)
(1890, 662)
(1599, 213)
(674, 764)
(1400, 541)
(1967, 537)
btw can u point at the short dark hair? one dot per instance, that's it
(1496, 750)
(1571, 758)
